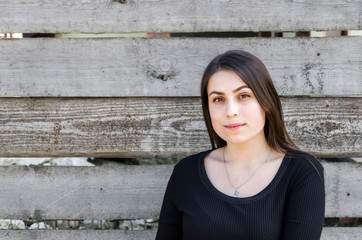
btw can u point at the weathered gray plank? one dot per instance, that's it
(129, 192)
(45, 193)
(171, 67)
(177, 16)
(76, 234)
(327, 126)
(341, 233)
(343, 189)
(163, 127)
(327, 234)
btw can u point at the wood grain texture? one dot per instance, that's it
(343, 189)
(76, 234)
(35, 192)
(159, 127)
(172, 67)
(177, 16)
(337, 233)
(130, 192)
(340, 233)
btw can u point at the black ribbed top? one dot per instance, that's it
(290, 207)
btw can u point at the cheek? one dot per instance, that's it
(213, 114)
(215, 118)
(260, 117)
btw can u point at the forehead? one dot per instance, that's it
(224, 80)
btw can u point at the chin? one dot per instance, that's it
(236, 140)
(240, 139)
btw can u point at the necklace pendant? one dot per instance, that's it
(236, 194)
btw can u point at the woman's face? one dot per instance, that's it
(236, 114)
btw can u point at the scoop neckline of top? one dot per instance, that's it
(205, 179)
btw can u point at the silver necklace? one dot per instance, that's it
(236, 193)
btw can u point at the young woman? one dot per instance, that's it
(254, 183)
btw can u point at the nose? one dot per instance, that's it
(232, 109)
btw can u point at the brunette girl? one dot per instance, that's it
(254, 183)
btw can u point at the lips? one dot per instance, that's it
(234, 126)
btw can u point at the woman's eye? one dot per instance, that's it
(218, 99)
(243, 96)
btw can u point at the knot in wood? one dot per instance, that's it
(57, 128)
(122, 1)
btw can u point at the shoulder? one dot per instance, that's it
(305, 164)
(190, 163)
(187, 171)
(306, 160)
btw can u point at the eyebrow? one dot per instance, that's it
(234, 91)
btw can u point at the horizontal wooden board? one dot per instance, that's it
(45, 193)
(343, 189)
(338, 233)
(173, 66)
(130, 192)
(177, 16)
(159, 127)
(76, 234)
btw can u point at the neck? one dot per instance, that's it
(248, 152)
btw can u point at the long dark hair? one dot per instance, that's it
(254, 73)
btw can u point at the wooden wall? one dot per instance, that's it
(138, 97)
(89, 16)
